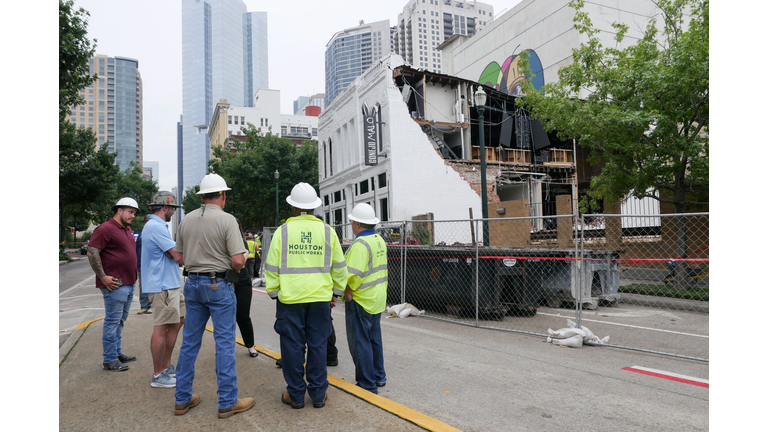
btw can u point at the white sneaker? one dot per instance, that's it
(163, 380)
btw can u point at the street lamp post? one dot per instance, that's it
(480, 99)
(277, 198)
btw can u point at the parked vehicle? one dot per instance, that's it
(84, 248)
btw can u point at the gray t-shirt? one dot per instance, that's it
(208, 239)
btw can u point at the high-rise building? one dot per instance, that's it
(152, 170)
(113, 108)
(224, 56)
(351, 52)
(425, 24)
(301, 104)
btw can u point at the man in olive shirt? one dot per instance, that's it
(209, 243)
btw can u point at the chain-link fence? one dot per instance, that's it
(643, 281)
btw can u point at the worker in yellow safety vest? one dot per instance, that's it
(251, 261)
(365, 298)
(304, 271)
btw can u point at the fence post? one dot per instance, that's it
(404, 258)
(477, 282)
(581, 272)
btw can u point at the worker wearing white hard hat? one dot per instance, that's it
(365, 298)
(112, 255)
(210, 246)
(304, 271)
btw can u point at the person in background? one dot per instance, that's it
(251, 245)
(243, 294)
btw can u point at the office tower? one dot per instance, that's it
(425, 24)
(350, 52)
(315, 103)
(152, 169)
(113, 107)
(224, 56)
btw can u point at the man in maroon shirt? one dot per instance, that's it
(112, 255)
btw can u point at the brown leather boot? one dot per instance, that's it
(182, 409)
(241, 405)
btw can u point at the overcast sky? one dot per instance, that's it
(150, 32)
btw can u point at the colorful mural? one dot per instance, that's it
(508, 78)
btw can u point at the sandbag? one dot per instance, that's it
(566, 333)
(574, 341)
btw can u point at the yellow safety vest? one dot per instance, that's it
(251, 249)
(305, 262)
(368, 275)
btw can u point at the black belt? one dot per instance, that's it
(211, 275)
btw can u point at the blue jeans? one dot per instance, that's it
(143, 297)
(117, 303)
(298, 325)
(365, 346)
(203, 301)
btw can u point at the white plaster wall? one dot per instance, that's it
(440, 103)
(422, 182)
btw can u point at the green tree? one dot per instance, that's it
(75, 51)
(84, 168)
(645, 115)
(642, 110)
(250, 170)
(191, 200)
(130, 183)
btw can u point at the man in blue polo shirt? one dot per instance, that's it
(161, 280)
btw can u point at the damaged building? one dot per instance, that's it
(406, 141)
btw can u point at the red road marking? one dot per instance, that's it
(673, 377)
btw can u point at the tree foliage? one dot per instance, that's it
(641, 110)
(89, 181)
(191, 200)
(250, 172)
(75, 51)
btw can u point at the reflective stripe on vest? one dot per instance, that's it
(285, 270)
(370, 271)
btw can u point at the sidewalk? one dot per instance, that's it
(93, 399)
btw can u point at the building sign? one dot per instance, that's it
(370, 135)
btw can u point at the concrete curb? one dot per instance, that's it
(665, 302)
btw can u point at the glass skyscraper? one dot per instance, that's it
(351, 52)
(113, 108)
(224, 56)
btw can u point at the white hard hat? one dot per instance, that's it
(212, 183)
(126, 202)
(303, 196)
(364, 213)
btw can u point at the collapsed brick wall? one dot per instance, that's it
(465, 170)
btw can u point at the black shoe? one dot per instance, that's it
(332, 362)
(253, 354)
(321, 403)
(279, 363)
(381, 383)
(115, 366)
(125, 358)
